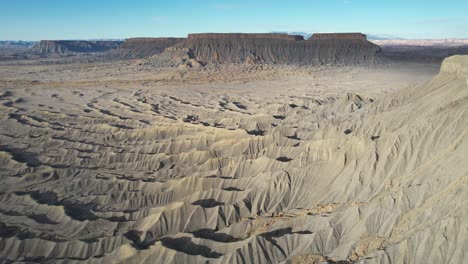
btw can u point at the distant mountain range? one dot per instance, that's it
(304, 34)
(29, 44)
(370, 36)
(16, 43)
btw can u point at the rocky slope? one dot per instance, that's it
(278, 49)
(151, 176)
(62, 47)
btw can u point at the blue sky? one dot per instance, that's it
(93, 19)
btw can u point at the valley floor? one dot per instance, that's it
(126, 162)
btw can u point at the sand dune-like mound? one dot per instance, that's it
(154, 175)
(337, 49)
(61, 47)
(456, 65)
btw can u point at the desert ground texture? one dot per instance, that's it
(128, 162)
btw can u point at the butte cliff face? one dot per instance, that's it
(337, 49)
(134, 48)
(62, 47)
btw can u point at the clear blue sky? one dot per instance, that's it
(92, 19)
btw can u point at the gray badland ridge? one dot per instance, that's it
(60, 47)
(251, 48)
(333, 48)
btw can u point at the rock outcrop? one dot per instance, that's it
(62, 47)
(134, 48)
(345, 49)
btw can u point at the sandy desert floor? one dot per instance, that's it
(125, 162)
